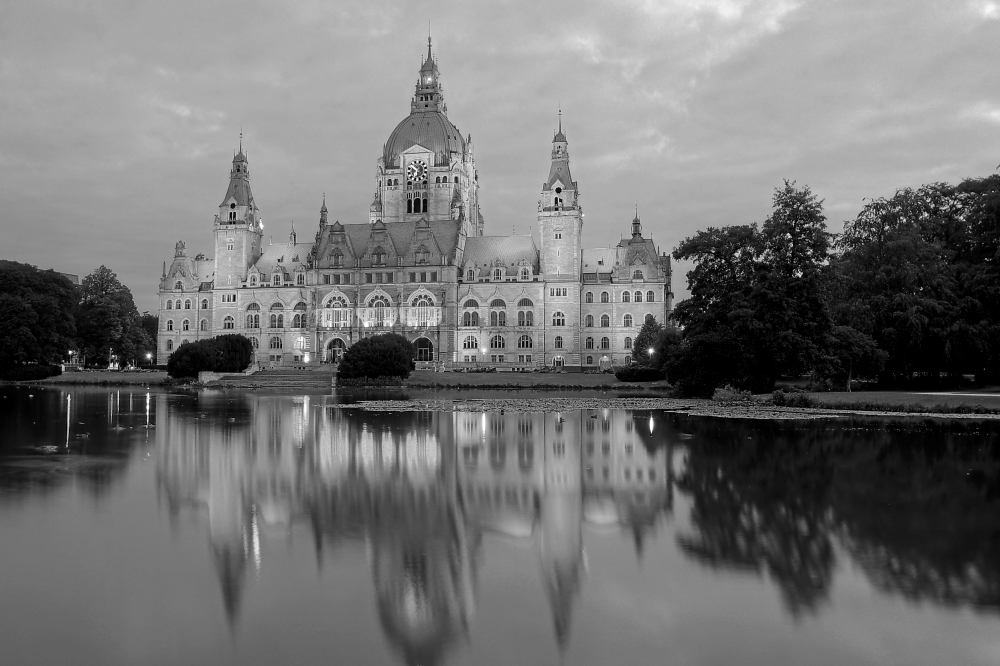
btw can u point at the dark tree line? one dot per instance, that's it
(910, 289)
(43, 316)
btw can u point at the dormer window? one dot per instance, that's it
(300, 280)
(253, 280)
(497, 274)
(525, 273)
(232, 212)
(338, 259)
(470, 275)
(276, 279)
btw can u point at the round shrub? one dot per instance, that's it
(387, 355)
(225, 353)
(638, 373)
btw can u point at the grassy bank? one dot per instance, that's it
(109, 378)
(521, 380)
(908, 402)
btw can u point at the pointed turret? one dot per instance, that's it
(636, 225)
(429, 95)
(323, 212)
(291, 235)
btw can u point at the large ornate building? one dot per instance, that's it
(421, 266)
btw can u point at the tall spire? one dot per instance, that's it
(241, 138)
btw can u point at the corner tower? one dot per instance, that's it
(560, 218)
(238, 228)
(427, 169)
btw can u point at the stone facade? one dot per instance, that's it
(421, 266)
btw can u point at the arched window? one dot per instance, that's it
(185, 325)
(628, 343)
(274, 342)
(470, 275)
(588, 321)
(178, 285)
(605, 297)
(471, 303)
(627, 321)
(558, 342)
(300, 280)
(253, 280)
(524, 342)
(253, 307)
(529, 318)
(558, 362)
(605, 321)
(170, 305)
(589, 298)
(649, 297)
(185, 341)
(437, 181)
(589, 343)
(590, 360)
(470, 319)
(649, 318)
(204, 324)
(204, 304)
(409, 203)
(228, 323)
(177, 304)
(605, 343)
(456, 179)
(558, 319)
(501, 318)
(187, 304)
(498, 342)
(470, 342)
(298, 321)
(525, 303)
(254, 343)
(378, 256)
(498, 303)
(170, 324)
(253, 320)
(170, 345)
(497, 274)
(276, 279)
(638, 297)
(636, 275)
(338, 258)
(336, 302)
(524, 273)
(521, 318)
(277, 320)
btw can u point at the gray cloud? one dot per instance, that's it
(119, 118)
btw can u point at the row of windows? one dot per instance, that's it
(524, 318)
(499, 274)
(277, 321)
(606, 343)
(186, 325)
(627, 297)
(498, 342)
(627, 321)
(499, 303)
(394, 182)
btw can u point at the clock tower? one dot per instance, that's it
(427, 169)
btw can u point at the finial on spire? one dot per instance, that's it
(560, 118)
(241, 138)
(428, 39)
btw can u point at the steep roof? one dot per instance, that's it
(600, 259)
(287, 253)
(400, 233)
(510, 250)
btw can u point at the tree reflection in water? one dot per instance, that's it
(420, 489)
(917, 505)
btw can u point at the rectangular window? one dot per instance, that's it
(368, 278)
(413, 277)
(388, 278)
(347, 279)
(434, 276)
(423, 276)
(326, 279)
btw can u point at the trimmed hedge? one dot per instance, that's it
(28, 373)
(386, 355)
(225, 353)
(638, 373)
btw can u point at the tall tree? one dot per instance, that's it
(107, 319)
(36, 314)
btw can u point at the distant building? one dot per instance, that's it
(421, 266)
(75, 279)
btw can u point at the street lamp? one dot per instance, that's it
(149, 358)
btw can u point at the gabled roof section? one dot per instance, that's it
(600, 259)
(508, 250)
(356, 236)
(281, 257)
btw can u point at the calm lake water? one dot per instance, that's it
(256, 529)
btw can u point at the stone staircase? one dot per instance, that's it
(318, 379)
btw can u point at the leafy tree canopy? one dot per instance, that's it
(36, 315)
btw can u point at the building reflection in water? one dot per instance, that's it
(420, 489)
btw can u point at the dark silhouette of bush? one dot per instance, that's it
(28, 373)
(225, 353)
(387, 355)
(638, 373)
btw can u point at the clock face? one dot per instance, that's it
(417, 170)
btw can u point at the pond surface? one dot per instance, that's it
(242, 528)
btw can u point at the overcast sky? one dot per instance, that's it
(118, 120)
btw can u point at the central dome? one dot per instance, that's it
(430, 129)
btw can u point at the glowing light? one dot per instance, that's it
(651, 351)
